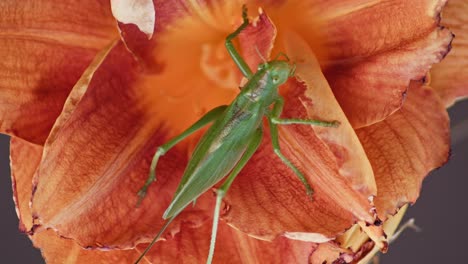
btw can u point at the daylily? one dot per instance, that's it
(87, 100)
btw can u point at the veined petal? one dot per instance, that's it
(405, 147)
(97, 158)
(267, 187)
(369, 50)
(450, 77)
(191, 245)
(25, 158)
(376, 48)
(45, 48)
(371, 89)
(267, 199)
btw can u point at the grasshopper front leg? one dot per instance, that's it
(204, 120)
(274, 120)
(236, 57)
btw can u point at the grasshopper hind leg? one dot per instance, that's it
(221, 192)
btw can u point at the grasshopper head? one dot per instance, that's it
(280, 71)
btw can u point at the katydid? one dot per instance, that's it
(233, 138)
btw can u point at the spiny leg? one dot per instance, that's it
(278, 109)
(204, 120)
(273, 120)
(221, 192)
(296, 121)
(277, 150)
(238, 60)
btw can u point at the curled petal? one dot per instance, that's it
(322, 105)
(450, 77)
(371, 89)
(370, 65)
(44, 49)
(405, 147)
(138, 12)
(97, 158)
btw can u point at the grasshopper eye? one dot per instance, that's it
(275, 79)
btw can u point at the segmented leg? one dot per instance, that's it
(273, 120)
(278, 109)
(277, 150)
(221, 192)
(204, 120)
(238, 60)
(296, 121)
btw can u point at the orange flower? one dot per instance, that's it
(87, 149)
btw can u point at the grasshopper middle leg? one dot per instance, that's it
(274, 119)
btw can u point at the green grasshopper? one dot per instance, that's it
(235, 135)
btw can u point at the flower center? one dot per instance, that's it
(197, 74)
(217, 65)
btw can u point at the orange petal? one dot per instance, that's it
(321, 104)
(450, 77)
(44, 50)
(405, 147)
(370, 65)
(372, 89)
(191, 245)
(138, 12)
(268, 182)
(97, 158)
(25, 159)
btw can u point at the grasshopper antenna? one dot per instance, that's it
(155, 239)
(282, 54)
(260, 55)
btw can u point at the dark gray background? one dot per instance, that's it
(441, 211)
